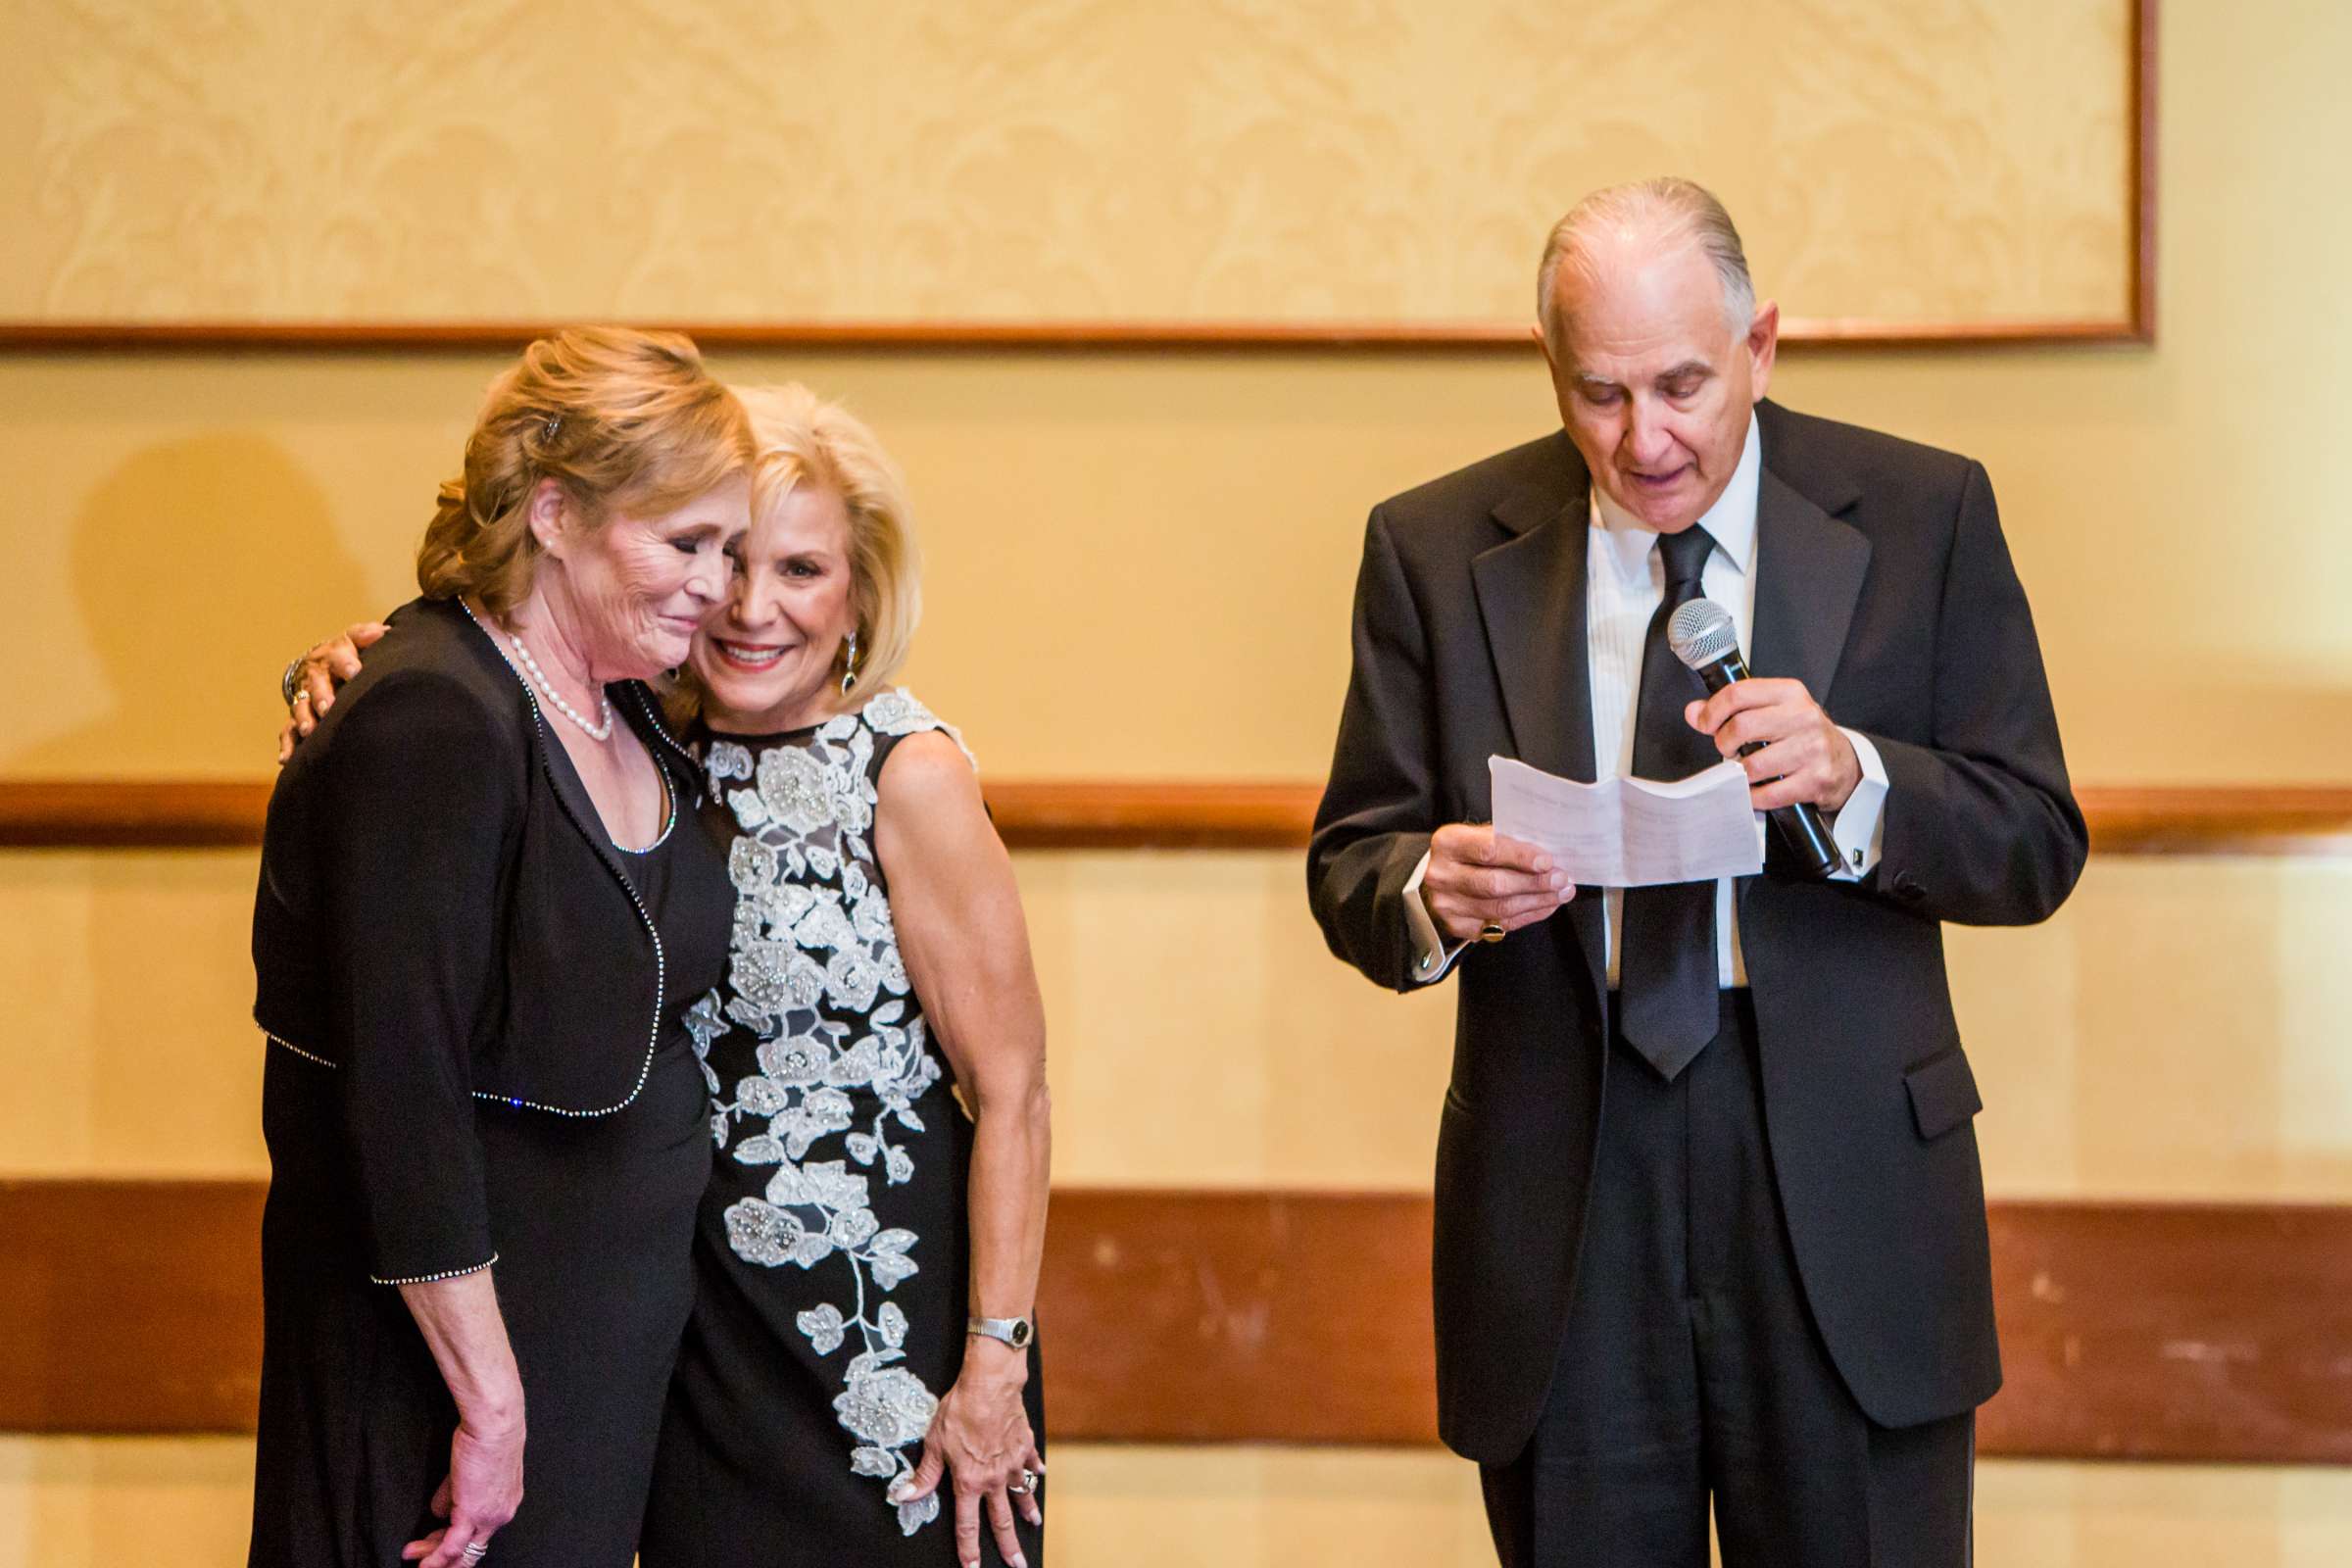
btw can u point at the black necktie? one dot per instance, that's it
(1666, 974)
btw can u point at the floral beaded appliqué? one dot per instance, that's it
(814, 975)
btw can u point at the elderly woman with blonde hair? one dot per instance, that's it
(867, 1252)
(478, 947)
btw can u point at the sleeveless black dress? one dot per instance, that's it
(832, 1250)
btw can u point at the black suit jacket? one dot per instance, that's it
(1886, 587)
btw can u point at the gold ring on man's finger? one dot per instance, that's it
(1491, 931)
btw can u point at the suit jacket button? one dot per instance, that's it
(1907, 888)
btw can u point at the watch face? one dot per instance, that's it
(1021, 1334)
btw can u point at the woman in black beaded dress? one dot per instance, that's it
(867, 1249)
(867, 1252)
(479, 941)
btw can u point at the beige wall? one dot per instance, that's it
(1140, 567)
(2176, 1032)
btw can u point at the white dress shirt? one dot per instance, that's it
(1625, 582)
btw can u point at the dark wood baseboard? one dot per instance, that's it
(129, 1307)
(1143, 814)
(2216, 1333)
(2173, 1331)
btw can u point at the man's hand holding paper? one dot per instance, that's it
(1632, 832)
(1476, 876)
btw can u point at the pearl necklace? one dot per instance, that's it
(595, 733)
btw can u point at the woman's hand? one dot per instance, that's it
(480, 1494)
(327, 665)
(460, 1320)
(980, 1438)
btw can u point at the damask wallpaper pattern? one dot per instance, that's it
(1300, 161)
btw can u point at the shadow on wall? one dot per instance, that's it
(198, 569)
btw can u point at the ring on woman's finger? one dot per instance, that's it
(1026, 1485)
(475, 1551)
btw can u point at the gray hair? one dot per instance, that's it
(1674, 209)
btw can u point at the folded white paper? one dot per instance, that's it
(1632, 832)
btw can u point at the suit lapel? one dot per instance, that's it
(1531, 598)
(1810, 569)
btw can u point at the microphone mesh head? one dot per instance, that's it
(1700, 632)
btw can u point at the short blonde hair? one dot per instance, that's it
(621, 419)
(803, 439)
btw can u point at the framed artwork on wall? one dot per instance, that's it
(1054, 171)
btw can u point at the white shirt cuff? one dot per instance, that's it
(1432, 955)
(1860, 827)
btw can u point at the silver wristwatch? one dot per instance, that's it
(1017, 1332)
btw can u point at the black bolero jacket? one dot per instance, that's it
(441, 919)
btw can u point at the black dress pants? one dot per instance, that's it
(1691, 1371)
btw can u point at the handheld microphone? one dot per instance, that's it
(1703, 636)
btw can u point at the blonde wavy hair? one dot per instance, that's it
(803, 439)
(622, 419)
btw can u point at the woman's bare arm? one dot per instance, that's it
(957, 912)
(462, 1325)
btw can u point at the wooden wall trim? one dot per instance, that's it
(1065, 815)
(2214, 1333)
(127, 814)
(1063, 337)
(1090, 815)
(2220, 819)
(2136, 325)
(877, 337)
(2143, 172)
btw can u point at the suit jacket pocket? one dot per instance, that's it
(1943, 1093)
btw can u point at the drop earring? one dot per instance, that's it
(849, 665)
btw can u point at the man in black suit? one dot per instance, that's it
(1710, 1226)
